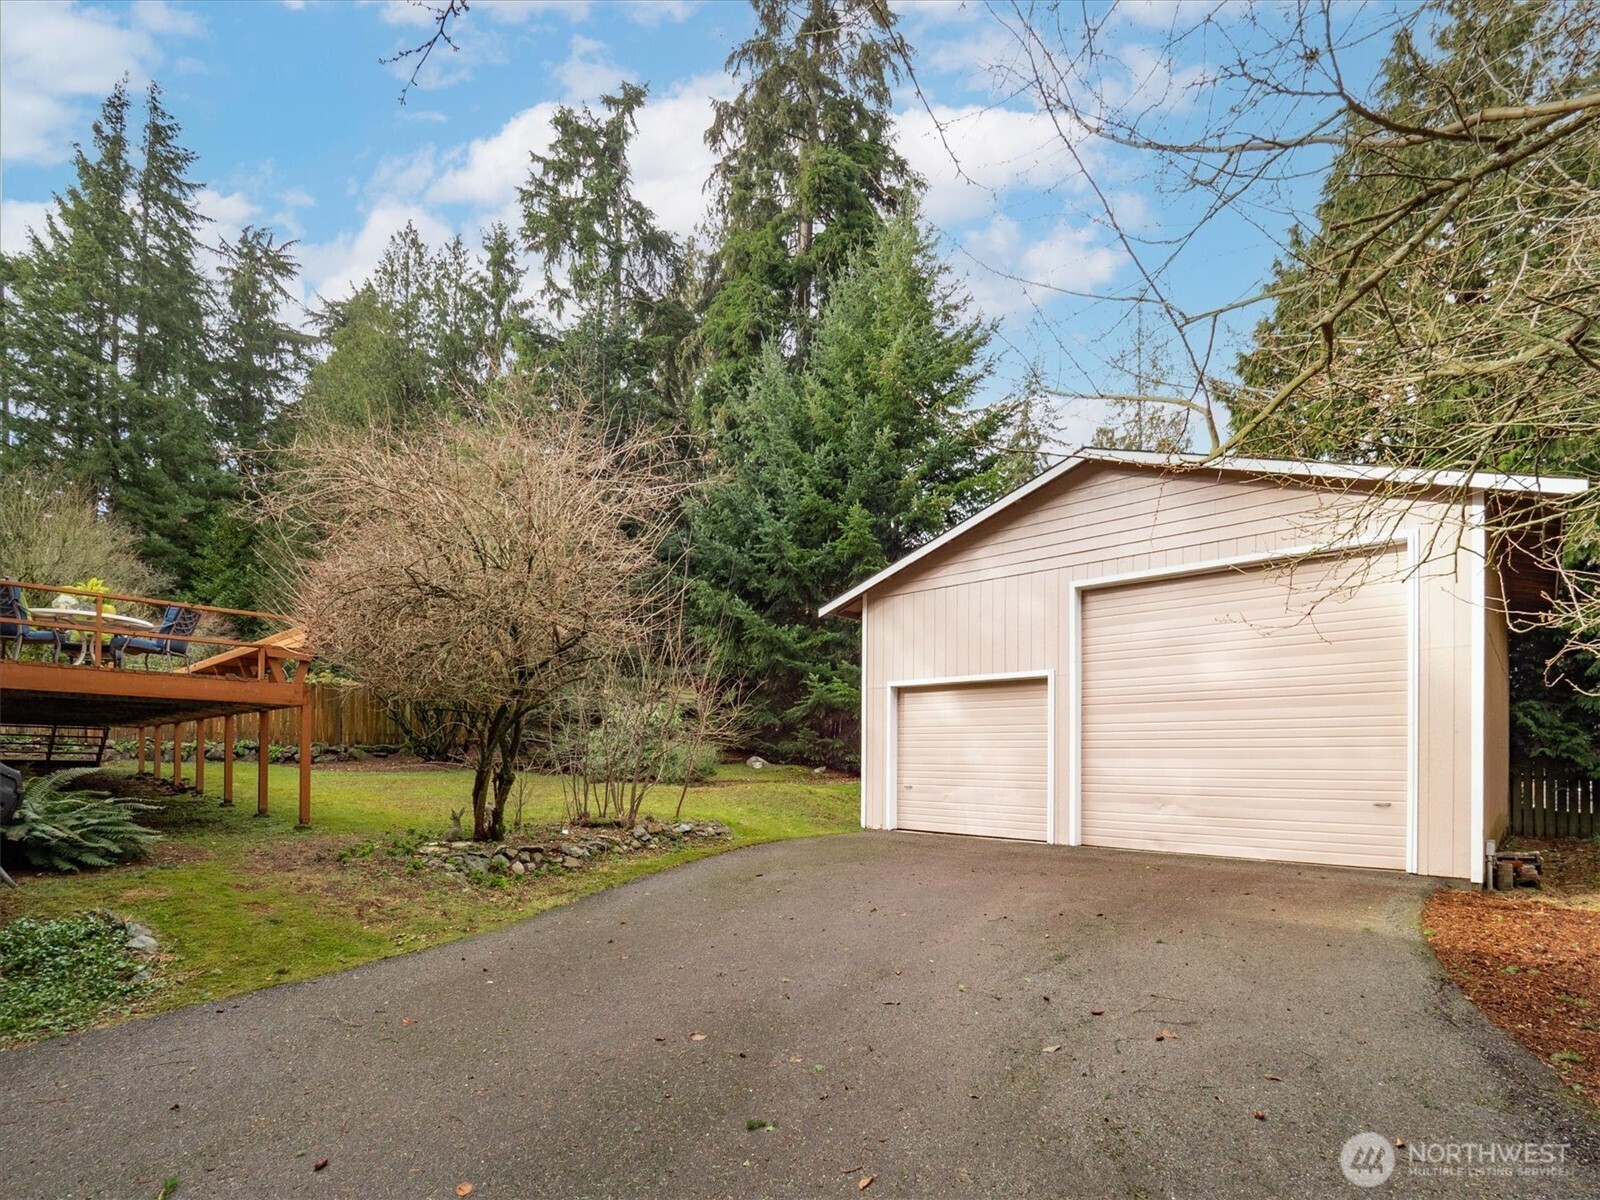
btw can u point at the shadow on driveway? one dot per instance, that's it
(882, 1001)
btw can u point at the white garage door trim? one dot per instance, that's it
(891, 811)
(1406, 540)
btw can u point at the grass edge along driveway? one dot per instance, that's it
(240, 902)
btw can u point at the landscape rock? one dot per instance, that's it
(755, 762)
(518, 867)
(142, 944)
(476, 863)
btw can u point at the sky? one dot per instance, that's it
(299, 126)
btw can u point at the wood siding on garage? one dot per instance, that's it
(973, 758)
(1253, 714)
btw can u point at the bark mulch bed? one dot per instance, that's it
(1533, 968)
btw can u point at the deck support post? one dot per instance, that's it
(263, 753)
(228, 732)
(177, 755)
(305, 761)
(155, 747)
(200, 756)
(142, 732)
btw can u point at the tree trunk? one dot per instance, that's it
(483, 816)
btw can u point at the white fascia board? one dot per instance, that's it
(1541, 485)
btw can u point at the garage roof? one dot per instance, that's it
(1316, 472)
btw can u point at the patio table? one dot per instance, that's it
(83, 620)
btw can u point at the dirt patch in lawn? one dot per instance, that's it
(1533, 968)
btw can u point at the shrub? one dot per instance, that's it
(63, 830)
(58, 975)
(688, 762)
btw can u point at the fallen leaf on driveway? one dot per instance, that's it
(320, 1164)
(865, 1182)
(1095, 1012)
(697, 1037)
(407, 1021)
(891, 1002)
(1259, 1115)
(463, 1189)
(1165, 1035)
(1051, 1049)
(1274, 1078)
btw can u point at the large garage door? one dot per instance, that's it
(973, 759)
(1255, 714)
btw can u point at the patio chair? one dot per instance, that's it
(171, 639)
(14, 625)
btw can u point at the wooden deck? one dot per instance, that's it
(245, 677)
(39, 693)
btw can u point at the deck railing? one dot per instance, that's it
(97, 631)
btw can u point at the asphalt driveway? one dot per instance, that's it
(884, 1002)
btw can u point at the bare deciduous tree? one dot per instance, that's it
(653, 713)
(1437, 300)
(53, 532)
(477, 567)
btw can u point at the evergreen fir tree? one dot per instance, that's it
(834, 470)
(105, 338)
(609, 265)
(806, 173)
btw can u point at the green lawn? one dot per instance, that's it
(240, 902)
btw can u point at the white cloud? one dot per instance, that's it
(403, 177)
(16, 218)
(335, 268)
(404, 12)
(651, 13)
(229, 211)
(488, 171)
(506, 12)
(516, 12)
(972, 155)
(57, 60)
(670, 159)
(160, 17)
(1009, 273)
(588, 71)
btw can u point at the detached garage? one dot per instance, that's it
(1255, 659)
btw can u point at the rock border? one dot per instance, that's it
(576, 850)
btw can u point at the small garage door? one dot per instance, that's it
(974, 759)
(1258, 714)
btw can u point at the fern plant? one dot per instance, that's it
(63, 830)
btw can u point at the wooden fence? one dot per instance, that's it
(1549, 803)
(340, 716)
